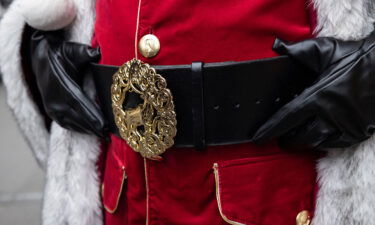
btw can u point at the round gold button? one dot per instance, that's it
(149, 45)
(303, 218)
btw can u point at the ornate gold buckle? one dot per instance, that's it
(150, 127)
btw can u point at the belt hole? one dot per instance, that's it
(237, 105)
(216, 107)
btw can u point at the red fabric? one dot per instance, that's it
(114, 179)
(257, 183)
(196, 30)
(180, 189)
(279, 188)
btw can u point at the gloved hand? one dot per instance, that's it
(338, 110)
(59, 69)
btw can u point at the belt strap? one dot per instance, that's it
(197, 105)
(218, 103)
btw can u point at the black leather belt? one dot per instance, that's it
(218, 103)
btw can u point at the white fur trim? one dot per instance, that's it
(55, 191)
(83, 26)
(25, 111)
(344, 19)
(72, 186)
(346, 176)
(347, 181)
(84, 203)
(48, 14)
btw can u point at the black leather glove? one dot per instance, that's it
(338, 110)
(59, 68)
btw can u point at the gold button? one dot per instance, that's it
(303, 218)
(149, 45)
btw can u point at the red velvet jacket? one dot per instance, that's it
(238, 184)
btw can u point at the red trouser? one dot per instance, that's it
(243, 183)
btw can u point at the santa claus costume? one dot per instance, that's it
(230, 184)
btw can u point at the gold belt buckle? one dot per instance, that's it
(150, 127)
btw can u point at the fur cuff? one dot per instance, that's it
(48, 14)
(345, 19)
(20, 102)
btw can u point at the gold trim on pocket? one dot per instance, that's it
(217, 184)
(124, 177)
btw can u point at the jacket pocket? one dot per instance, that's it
(265, 190)
(114, 181)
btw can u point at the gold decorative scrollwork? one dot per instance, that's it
(150, 127)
